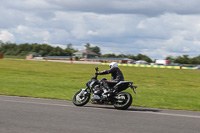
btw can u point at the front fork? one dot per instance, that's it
(85, 92)
(82, 95)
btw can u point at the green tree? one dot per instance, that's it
(170, 58)
(69, 46)
(87, 46)
(195, 60)
(109, 55)
(94, 49)
(182, 59)
(143, 57)
(121, 56)
(42, 49)
(69, 50)
(132, 57)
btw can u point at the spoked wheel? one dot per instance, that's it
(81, 98)
(124, 100)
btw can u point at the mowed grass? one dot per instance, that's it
(158, 88)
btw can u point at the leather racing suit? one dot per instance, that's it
(116, 74)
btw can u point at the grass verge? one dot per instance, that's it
(158, 88)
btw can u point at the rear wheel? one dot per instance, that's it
(124, 100)
(81, 98)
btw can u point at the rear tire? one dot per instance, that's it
(80, 100)
(126, 103)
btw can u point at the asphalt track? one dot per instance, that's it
(34, 115)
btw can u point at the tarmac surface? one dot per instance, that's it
(35, 115)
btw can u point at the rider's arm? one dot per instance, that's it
(106, 71)
(103, 72)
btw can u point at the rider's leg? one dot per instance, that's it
(109, 85)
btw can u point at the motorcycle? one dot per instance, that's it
(120, 100)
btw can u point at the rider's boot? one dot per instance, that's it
(109, 90)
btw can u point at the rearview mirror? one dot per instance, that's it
(97, 69)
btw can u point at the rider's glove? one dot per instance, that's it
(96, 73)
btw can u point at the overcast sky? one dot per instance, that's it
(156, 28)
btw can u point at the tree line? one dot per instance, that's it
(24, 49)
(184, 59)
(41, 49)
(97, 50)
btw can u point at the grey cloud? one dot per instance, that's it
(145, 7)
(157, 28)
(11, 18)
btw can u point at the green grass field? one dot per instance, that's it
(159, 88)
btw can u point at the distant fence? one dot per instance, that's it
(153, 66)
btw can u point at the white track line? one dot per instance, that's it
(65, 105)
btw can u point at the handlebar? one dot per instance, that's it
(95, 75)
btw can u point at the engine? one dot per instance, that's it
(97, 90)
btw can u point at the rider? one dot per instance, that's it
(117, 76)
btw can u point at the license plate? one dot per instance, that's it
(134, 89)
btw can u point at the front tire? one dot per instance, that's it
(124, 102)
(80, 99)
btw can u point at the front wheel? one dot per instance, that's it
(124, 100)
(81, 98)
